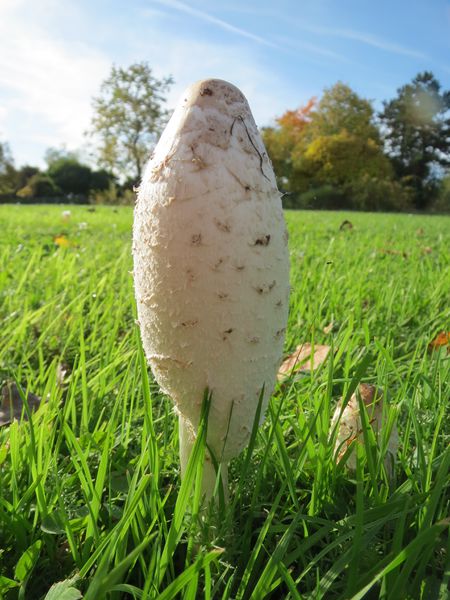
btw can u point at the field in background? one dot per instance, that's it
(90, 487)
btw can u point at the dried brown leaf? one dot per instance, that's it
(346, 225)
(303, 360)
(12, 406)
(442, 339)
(394, 252)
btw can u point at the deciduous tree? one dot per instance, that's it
(129, 115)
(71, 176)
(416, 126)
(7, 170)
(339, 109)
(341, 158)
(324, 151)
(282, 141)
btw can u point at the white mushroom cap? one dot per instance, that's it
(350, 429)
(211, 263)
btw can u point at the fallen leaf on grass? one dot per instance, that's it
(303, 360)
(346, 225)
(442, 339)
(12, 406)
(393, 252)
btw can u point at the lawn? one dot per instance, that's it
(90, 493)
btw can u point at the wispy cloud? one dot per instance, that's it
(289, 45)
(365, 38)
(264, 88)
(281, 43)
(204, 16)
(55, 53)
(348, 34)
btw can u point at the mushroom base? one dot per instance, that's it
(209, 477)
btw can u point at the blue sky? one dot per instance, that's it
(54, 54)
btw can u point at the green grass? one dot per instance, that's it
(90, 487)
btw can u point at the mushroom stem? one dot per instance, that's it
(187, 440)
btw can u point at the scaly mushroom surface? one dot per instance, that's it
(211, 268)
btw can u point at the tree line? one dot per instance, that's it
(336, 152)
(129, 114)
(66, 178)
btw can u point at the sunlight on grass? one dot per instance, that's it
(90, 488)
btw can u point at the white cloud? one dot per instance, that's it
(47, 81)
(3, 114)
(47, 84)
(9, 5)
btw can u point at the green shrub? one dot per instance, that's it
(114, 194)
(39, 186)
(376, 194)
(323, 197)
(442, 202)
(70, 176)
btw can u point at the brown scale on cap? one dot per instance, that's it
(262, 241)
(369, 394)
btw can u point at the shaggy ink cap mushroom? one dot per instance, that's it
(350, 428)
(211, 268)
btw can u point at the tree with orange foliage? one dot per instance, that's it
(282, 141)
(328, 152)
(295, 121)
